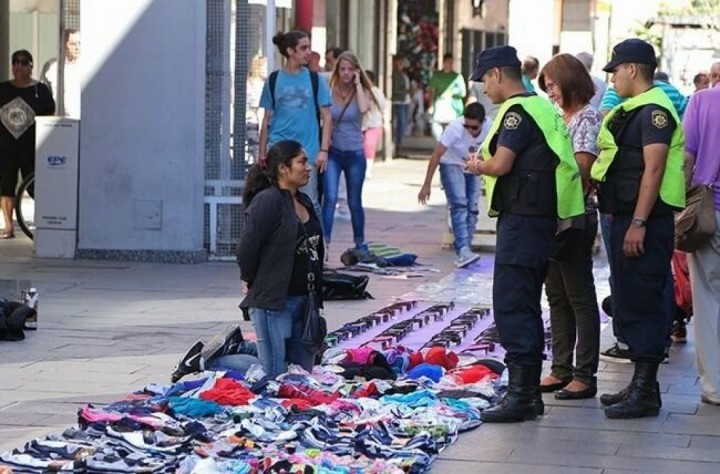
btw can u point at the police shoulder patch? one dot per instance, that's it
(659, 118)
(512, 120)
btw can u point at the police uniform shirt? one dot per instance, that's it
(652, 124)
(521, 242)
(517, 130)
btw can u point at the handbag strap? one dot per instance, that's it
(342, 113)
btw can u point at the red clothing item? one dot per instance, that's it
(316, 397)
(439, 356)
(298, 403)
(475, 374)
(228, 392)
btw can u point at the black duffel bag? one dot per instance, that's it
(342, 286)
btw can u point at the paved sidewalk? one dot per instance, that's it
(107, 328)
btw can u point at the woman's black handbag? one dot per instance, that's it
(313, 337)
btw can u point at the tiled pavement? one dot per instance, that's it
(107, 328)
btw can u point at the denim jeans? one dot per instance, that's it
(574, 314)
(353, 165)
(279, 334)
(238, 362)
(462, 191)
(399, 122)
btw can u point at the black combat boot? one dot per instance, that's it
(613, 398)
(518, 403)
(643, 397)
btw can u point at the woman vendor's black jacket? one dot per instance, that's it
(266, 250)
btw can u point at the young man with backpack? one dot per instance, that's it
(296, 103)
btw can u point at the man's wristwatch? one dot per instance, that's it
(638, 222)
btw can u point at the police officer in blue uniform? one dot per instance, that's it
(641, 184)
(531, 179)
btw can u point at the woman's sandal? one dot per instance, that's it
(7, 235)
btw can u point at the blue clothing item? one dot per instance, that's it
(433, 372)
(399, 122)
(293, 116)
(279, 335)
(640, 284)
(237, 362)
(528, 83)
(353, 164)
(521, 263)
(462, 191)
(611, 99)
(347, 132)
(194, 407)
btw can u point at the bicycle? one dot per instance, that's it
(25, 205)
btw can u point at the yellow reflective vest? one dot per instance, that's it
(568, 185)
(619, 170)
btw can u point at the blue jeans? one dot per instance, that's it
(279, 334)
(399, 122)
(238, 362)
(462, 191)
(353, 164)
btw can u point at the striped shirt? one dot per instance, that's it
(611, 99)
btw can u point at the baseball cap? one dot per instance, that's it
(499, 56)
(632, 50)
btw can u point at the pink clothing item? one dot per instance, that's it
(701, 138)
(359, 355)
(371, 138)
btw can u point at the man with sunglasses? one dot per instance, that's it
(462, 189)
(21, 99)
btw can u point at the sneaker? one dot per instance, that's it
(616, 354)
(342, 213)
(465, 257)
(666, 357)
(679, 332)
(190, 363)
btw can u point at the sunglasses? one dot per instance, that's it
(22, 62)
(472, 127)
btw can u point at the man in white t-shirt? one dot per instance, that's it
(69, 106)
(462, 190)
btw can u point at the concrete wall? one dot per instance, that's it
(142, 132)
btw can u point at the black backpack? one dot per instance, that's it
(341, 286)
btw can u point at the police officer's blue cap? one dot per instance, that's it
(499, 56)
(632, 50)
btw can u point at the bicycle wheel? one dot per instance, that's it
(25, 206)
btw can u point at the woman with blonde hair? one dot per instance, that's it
(570, 287)
(351, 92)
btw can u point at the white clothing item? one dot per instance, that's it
(374, 117)
(705, 283)
(458, 140)
(71, 84)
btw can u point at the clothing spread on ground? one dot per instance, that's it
(327, 421)
(395, 388)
